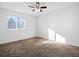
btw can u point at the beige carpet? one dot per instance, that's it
(37, 47)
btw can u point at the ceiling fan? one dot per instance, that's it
(37, 7)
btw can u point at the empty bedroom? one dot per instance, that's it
(39, 29)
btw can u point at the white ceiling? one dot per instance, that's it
(23, 6)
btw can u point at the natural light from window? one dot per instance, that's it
(52, 35)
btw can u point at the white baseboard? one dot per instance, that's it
(6, 41)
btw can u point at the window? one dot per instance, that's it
(15, 23)
(20, 23)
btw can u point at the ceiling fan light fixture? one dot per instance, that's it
(37, 10)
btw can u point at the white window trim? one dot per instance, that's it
(16, 25)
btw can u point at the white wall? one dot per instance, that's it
(14, 35)
(64, 22)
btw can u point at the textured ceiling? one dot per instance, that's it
(23, 6)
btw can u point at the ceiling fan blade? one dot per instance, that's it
(43, 7)
(31, 6)
(33, 10)
(41, 10)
